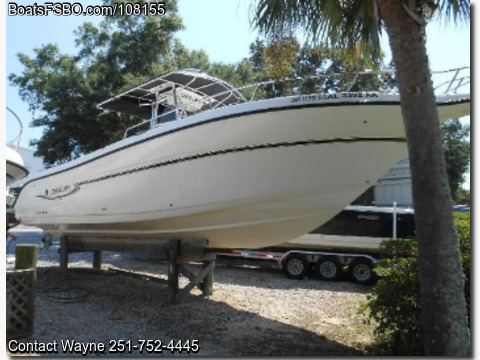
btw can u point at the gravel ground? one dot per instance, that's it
(254, 310)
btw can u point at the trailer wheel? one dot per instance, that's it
(328, 268)
(295, 266)
(361, 271)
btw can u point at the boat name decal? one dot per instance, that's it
(360, 95)
(59, 192)
(369, 217)
(349, 95)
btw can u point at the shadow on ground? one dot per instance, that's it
(268, 274)
(99, 306)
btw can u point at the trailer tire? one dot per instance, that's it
(295, 266)
(328, 268)
(361, 271)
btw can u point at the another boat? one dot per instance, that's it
(15, 168)
(213, 165)
(358, 229)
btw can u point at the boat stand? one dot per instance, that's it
(180, 253)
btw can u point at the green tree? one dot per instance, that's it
(463, 197)
(457, 153)
(394, 303)
(279, 55)
(357, 25)
(63, 90)
(317, 68)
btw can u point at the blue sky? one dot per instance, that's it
(220, 27)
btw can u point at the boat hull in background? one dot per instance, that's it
(14, 166)
(358, 229)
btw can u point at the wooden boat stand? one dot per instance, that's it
(180, 253)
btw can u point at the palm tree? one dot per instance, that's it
(356, 23)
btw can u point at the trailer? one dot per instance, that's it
(326, 265)
(347, 245)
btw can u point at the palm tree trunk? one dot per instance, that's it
(441, 277)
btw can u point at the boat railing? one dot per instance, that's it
(129, 130)
(452, 80)
(15, 142)
(383, 81)
(163, 118)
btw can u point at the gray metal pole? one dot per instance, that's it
(394, 220)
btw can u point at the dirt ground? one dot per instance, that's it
(254, 310)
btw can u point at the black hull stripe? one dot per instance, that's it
(235, 150)
(238, 115)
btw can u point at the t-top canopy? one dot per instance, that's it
(189, 90)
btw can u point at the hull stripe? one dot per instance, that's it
(234, 150)
(226, 117)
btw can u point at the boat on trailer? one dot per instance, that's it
(214, 165)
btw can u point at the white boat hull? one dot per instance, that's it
(257, 175)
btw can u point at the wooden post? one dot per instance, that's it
(63, 256)
(173, 252)
(26, 257)
(97, 259)
(207, 284)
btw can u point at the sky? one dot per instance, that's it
(220, 27)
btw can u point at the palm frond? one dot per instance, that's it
(338, 23)
(454, 10)
(343, 23)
